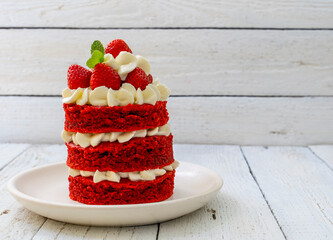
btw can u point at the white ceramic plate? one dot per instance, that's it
(44, 190)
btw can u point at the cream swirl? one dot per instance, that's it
(146, 175)
(126, 62)
(93, 139)
(127, 94)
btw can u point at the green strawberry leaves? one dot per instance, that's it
(97, 45)
(96, 57)
(97, 54)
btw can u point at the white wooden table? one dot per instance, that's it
(269, 193)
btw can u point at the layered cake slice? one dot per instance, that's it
(116, 130)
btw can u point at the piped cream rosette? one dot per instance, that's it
(146, 175)
(126, 62)
(127, 94)
(93, 139)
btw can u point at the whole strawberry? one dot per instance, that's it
(104, 75)
(117, 46)
(138, 78)
(78, 76)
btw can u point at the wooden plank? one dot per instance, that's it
(122, 233)
(17, 222)
(58, 230)
(238, 212)
(298, 187)
(190, 62)
(218, 120)
(9, 151)
(325, 152)
(148, 13)
(49, 230)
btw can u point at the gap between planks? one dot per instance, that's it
(158, 231)
(241, 211)
(53, 230)
(23, 148)
(313, 152)
(199, 95)
(168, 28)
(320, 157)
(262, 192)
(275, 183)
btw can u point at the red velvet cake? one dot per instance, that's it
(116, 130)
(112, 119)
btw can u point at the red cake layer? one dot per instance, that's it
(84, 190)
(94, 119)
(135, 155)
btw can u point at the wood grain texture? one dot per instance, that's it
(17, 222)
(324, 152)
(298, 187)
(8, 152)
(190, 62)
(218, 120)
(238, 212)
(149, 13)
(58, 230)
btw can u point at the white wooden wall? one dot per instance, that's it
(241, 72)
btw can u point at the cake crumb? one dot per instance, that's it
(213, 211)
(4, 212)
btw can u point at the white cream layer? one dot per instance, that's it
(115, 176)
(127, 94)
(93, 139)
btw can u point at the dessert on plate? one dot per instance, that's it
(116, 129)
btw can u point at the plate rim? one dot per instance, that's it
(20, 195)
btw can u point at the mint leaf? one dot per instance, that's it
(96, 57)
(97, 45)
